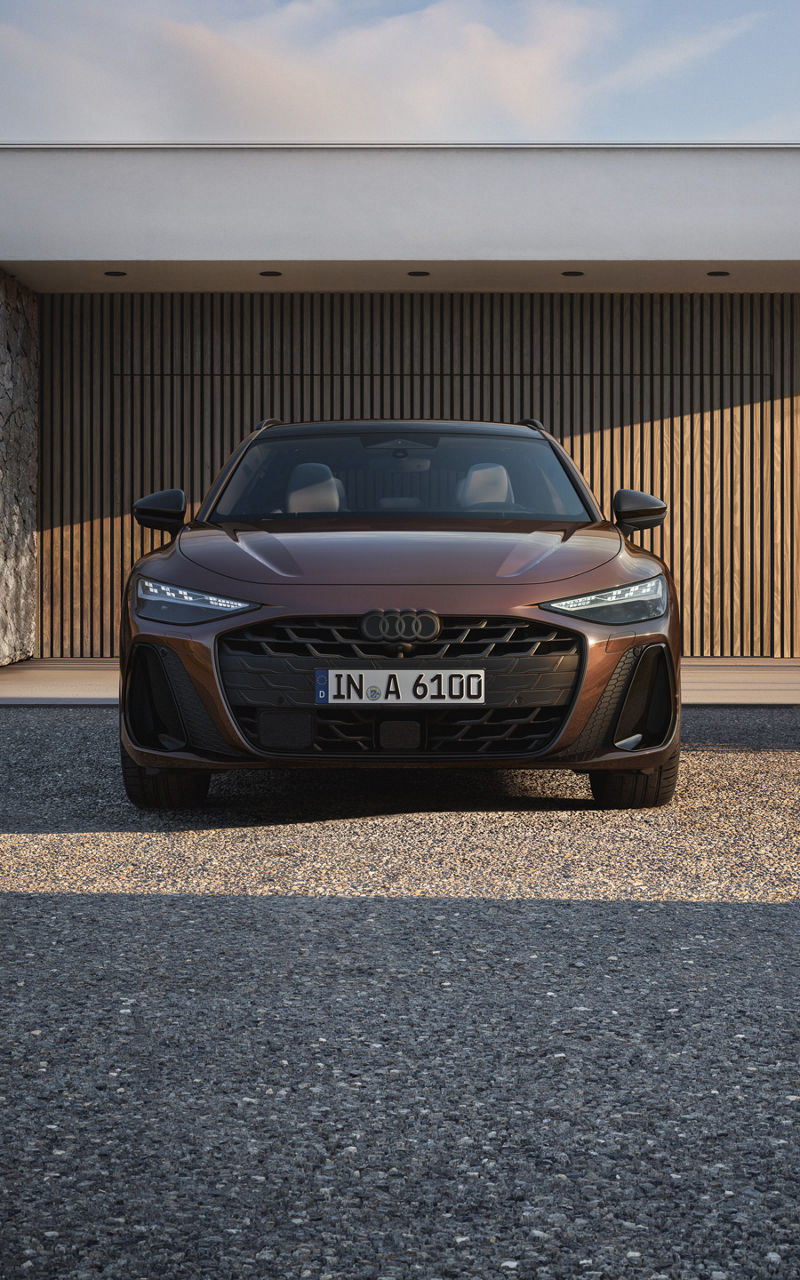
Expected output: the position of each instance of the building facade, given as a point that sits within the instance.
(630, 298)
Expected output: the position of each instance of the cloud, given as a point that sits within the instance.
(441, 72)
(674, 56)
(319, 70)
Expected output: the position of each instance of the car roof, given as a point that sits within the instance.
(406, 424)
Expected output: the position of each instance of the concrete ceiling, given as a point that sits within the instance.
(393, 277)
(344, 218)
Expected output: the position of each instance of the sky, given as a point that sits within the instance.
(397, 71)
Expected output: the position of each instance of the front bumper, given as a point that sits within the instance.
(216, 709)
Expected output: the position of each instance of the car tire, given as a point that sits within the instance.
(163, 788)
(633, 788)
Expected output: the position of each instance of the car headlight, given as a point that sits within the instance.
(636, 602)
(161, 602)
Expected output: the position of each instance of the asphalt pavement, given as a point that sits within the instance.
(392, 1025)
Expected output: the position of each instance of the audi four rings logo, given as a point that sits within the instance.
(400, 624)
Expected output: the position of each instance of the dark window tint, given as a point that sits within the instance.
(385, 475)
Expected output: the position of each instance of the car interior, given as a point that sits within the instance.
(361, 476)
(313, 487)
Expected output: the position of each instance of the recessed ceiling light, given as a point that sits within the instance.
(419, 273)
(572, 273)
(270, 273)
(718, 273)
(115, 273)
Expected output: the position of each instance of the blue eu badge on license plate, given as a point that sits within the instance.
(321, 689)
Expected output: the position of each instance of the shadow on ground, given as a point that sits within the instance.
(231, 1086)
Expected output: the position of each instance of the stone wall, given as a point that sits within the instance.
(19, 455)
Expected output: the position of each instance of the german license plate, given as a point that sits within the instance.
(402, 688)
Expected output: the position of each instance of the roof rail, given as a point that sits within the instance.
(534, 423)
(269, 422)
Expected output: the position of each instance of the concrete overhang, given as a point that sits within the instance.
(333, 218)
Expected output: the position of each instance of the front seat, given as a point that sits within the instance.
(313, 488)
(485, 482)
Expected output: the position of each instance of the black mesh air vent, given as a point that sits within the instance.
(472, 731)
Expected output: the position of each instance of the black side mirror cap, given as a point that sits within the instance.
(634, 510)
(164, 510)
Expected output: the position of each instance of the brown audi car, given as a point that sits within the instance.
(400, 593)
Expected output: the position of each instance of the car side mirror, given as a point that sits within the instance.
(164, 510)
(634, 510)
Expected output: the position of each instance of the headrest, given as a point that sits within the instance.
(312, 487)
(485, 482)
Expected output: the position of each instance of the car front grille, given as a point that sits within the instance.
(531, 672)
(460, 639)
(453, 731)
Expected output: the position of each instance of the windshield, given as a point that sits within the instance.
(383, 475)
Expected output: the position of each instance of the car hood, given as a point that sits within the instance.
(410, 557)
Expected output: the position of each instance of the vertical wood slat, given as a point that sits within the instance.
(695, 397)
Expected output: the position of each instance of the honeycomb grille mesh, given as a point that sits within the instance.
(450, 732)
(460, 638)
(531, 670)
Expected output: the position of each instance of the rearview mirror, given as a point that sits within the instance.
(164, 510)
(634, 510)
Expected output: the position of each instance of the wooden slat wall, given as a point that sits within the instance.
(693, 397)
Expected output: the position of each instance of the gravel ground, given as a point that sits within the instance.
(389, 1026)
